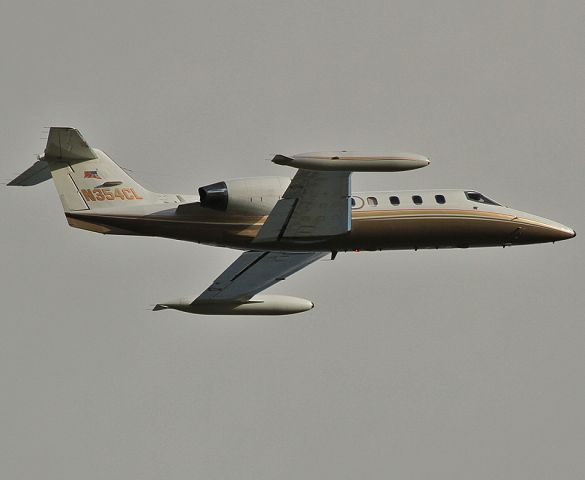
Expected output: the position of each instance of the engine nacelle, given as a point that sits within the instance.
(254, 195)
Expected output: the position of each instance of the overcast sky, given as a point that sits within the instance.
(432, 364)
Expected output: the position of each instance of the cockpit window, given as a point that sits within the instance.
(478, 197)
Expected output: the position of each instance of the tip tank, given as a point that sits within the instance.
(258, 305)
(354, 161)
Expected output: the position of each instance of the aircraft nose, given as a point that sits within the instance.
(567, 233)
(542, 230)
(558, 232)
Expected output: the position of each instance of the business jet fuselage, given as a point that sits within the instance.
(390, 220)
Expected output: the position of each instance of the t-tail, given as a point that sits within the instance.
(85, 178)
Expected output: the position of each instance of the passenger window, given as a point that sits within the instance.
(417, 199)
(372, 201)
(394, 200)
(440, 199)
(357, 202)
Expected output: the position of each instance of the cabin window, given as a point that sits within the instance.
(417, 199)
(357, 202)
(394, 200)
(440, 199)
(478, 197)
(372, 201)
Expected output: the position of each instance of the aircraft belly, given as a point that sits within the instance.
(208, 232)
(369, 232)
(429, 232)
(413, 232)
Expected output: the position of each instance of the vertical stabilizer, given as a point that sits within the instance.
(85, 178)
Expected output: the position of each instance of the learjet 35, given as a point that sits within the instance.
(282, 224)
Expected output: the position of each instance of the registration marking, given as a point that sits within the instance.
(106, 194)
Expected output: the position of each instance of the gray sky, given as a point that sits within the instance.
(450, 364)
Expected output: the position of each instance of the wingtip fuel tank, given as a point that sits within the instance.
(353, 161)
(257, 305)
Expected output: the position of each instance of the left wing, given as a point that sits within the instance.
(255, 271)
(233, 292)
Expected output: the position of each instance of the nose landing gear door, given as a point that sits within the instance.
(513, 237)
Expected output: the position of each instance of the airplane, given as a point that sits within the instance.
(281, 224)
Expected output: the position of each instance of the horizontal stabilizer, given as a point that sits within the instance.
(85, 178)
(38, 173)
(67, 143)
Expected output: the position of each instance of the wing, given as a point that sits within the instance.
(255, 271)
(315, 205)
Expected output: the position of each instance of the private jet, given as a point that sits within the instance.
(281, 224)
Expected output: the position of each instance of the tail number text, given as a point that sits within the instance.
(101, 194)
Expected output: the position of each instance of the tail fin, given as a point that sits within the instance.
(85, 178)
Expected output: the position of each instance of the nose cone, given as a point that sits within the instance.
(567, 233)
(563, 233)
(544, 230)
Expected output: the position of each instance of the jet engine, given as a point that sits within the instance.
(254, 195)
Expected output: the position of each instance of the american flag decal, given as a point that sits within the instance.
(91, 174)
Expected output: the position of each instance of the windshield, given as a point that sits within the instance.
(478, 197)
